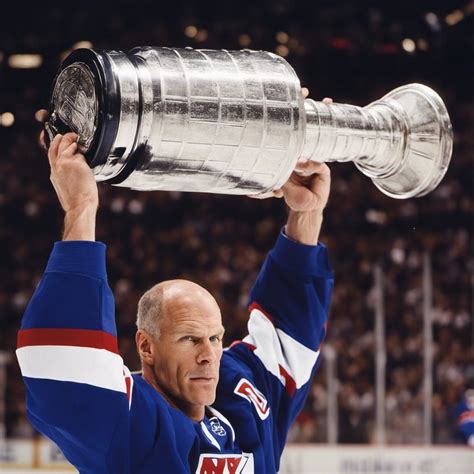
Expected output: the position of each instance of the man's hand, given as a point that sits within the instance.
(72, 178)
(306, 194)
(308, 187)
(75, 185)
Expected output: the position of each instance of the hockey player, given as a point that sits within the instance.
(196, 407)
(464, 413)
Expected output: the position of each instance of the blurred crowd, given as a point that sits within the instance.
(221, 241)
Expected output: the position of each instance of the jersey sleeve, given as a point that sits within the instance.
(465, 422)
(77, 387)
(289, 305)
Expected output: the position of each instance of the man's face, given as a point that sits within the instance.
(188, 352)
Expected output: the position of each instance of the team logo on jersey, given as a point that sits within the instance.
(216, 427)
(225, 464)
(246, 390)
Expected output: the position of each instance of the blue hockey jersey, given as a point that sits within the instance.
(464, 412)
(105, 420)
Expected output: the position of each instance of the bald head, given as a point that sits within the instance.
(170, 298)
(180, 344)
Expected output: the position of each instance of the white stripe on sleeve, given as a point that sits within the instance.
(97, 367)
(275, 348)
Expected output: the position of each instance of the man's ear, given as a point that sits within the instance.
(145, 347)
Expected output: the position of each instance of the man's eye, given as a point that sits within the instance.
(189, 338)
(216, 339)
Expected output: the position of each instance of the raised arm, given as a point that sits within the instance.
(77, 387)
(271, 368)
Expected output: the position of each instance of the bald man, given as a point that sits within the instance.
(195, 407)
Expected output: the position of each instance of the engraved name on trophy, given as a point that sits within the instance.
(235, 122)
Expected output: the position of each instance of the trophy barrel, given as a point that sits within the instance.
(182, 119)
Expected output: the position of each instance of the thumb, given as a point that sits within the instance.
(297, 197)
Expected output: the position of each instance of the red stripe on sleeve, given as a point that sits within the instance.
(290, 384)
(255, 305)
(250, 346)
(466, 417)
(68, 337)
(127, 385)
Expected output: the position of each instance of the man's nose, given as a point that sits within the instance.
(207, 353)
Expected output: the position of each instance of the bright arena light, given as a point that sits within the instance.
(7, 119)
(201, 35)
(25, 61)
(282, 50)
(454, 17)
(433, 21)
(422, 44)
(431, 18)
(408, 45)
(190, 31)
(65, 54)
(245, 40)
(282, 37)
(82, 44)
(39, 116)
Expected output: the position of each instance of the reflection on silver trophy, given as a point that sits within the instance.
(235, 122)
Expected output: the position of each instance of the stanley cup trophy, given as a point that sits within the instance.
(235, 122)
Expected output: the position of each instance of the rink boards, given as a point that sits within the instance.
(25, 457)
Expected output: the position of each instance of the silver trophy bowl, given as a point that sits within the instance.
(235, 122)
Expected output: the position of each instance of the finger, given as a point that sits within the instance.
(300, 197)
(66, 142)
(304, 164)
(307, 168)
(327, 100)
(270, 194)
(301, 162)
(305, 92)
(53, 149)
(70, 150)
(300, 167)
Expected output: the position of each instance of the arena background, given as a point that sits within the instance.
(354, 52)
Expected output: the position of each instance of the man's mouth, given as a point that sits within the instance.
(202, 379)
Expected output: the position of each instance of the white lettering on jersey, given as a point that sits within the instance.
(225, 464)
(246, 390)
(216, 427)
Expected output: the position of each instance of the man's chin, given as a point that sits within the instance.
(204, 395)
